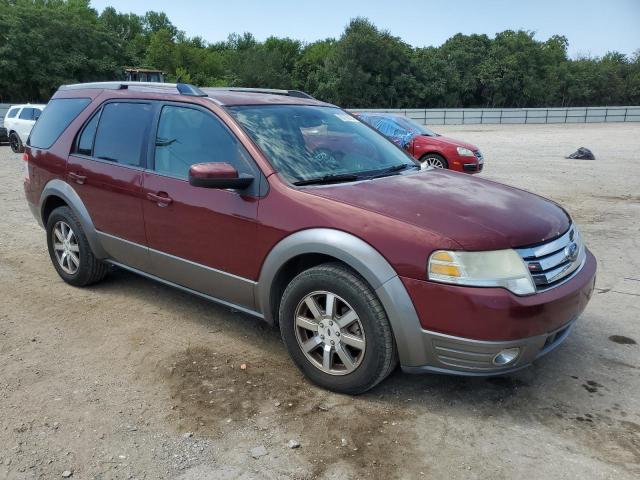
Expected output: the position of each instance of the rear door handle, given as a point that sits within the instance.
(77, 178)
(160, 200)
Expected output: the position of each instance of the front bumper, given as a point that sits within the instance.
(462, 329)
(473, 164)
(464, 356)
(472, 167)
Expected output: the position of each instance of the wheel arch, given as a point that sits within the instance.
(58, 193)
(434, 152)
(311, 247)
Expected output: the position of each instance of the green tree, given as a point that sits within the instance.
(367, 67)
(161, 51)
(46, 44)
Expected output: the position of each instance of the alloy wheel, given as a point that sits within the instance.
(330, 333)
(433, 162)
(66, 248)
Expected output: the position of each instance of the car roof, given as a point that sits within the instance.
(28, 105)
(224, 96)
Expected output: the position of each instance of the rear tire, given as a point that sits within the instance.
(357, 350)
(70, 251)
(16, 143)
(434, 160)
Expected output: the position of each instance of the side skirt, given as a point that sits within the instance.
(188, 290)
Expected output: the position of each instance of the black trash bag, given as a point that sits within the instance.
(582, 154)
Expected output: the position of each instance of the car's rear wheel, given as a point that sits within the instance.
(434, 160)
(70, 251)
(16, 143)
(336, 330)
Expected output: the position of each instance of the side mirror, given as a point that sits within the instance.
(217, 175)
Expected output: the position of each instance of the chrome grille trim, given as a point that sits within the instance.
(551, 264)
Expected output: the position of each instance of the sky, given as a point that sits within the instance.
(593, 27)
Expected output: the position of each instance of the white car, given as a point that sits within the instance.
(19, 121)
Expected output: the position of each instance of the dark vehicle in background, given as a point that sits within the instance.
(293, 211)
(143, 75)
(429, 148)
(4, 134)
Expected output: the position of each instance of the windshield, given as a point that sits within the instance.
(304, 142)
(415, 127)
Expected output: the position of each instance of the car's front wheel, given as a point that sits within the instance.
(70, 251)
(16, 143)
(336, 330)
(434, 160)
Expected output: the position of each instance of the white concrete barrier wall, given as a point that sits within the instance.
(460, 116)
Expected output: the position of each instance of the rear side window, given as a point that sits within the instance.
(122, 132)
(54, 120)
(12, 113)
(85, 142)
(26, 114)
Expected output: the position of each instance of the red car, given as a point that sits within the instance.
(426, 146)
(291, 210)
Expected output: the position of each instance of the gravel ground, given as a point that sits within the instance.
(131, 379)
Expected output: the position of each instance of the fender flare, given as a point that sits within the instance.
(365, 260)
(63, 190)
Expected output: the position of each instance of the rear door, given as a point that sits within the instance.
(106, 169)
(200, 238)
(24, 123)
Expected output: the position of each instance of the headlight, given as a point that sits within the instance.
(465, 152)
(499, 268)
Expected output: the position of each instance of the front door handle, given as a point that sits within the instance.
(77, 177)
(161, 200)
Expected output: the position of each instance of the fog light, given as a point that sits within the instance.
(506, 356)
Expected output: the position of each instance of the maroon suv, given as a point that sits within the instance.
(291, 210)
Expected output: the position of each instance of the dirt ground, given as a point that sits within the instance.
(132, 379)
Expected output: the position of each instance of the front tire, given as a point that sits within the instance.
(70, 251)
(336, 330)
(16, 143)
(434, 160)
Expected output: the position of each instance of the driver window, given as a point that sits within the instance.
(187, 136)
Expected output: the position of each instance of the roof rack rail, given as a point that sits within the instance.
(272, 91)
(181, 88)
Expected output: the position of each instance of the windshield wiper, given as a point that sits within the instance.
(335, 178)
(394, 169)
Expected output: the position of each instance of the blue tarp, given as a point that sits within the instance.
(397, 133)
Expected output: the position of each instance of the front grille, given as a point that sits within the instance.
(554, 262)
(478, 155)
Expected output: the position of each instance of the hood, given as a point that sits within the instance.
(477, 214)
(447, 141)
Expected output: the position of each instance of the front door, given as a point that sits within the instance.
(106, 169)
(200, 238)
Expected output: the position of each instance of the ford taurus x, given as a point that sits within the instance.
(292, 210)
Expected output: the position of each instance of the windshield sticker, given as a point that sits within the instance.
(345, 117)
